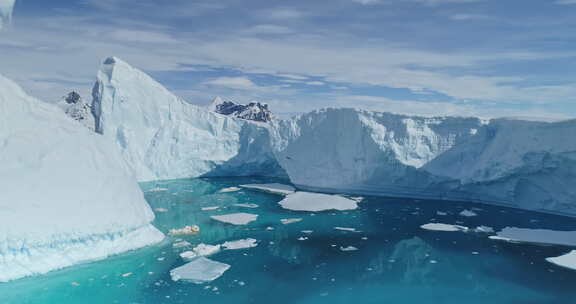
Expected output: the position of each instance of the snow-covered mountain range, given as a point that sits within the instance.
(144, 132)
(255, 111)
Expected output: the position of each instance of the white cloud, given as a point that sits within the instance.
(241, 83)
(141, 36)
(270, 29)
(315, 83)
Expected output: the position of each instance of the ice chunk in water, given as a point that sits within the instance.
(307, 201)
(230, 189)
(536, 236)
(200, 270)
(236, 218)
(443, 227)
(567, 261)
(240, 244)
(468, 213)
(200, 250)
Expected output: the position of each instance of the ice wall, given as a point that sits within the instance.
(66, 198)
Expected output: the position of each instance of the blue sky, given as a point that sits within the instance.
(458, 57)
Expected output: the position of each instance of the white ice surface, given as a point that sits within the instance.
(290, 220)
(468, 213)
(308, 201)
(444, 227)
(271, 188)
(236, 218)
(66, 196)
(201, 250)
(567, 260)
(200, 270)
(536, 236)
(240, 244)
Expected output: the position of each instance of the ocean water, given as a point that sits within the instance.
(396, 261)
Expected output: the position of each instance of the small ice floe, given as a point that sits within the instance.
(211, 208)
(290, 220)
(240, 244)
(269, 228)
(307, 231)
(236, 218)
(157, 189)
(444, 227)
(483, 229)
(230, 189)
(198, 271)
(200, 251)
(307, 201)
(194, 229)
(349, 248)
(246, 205)
(161, 210)
(536, 236)
(271, 188)
(302, 238)
(468, 213)
(75, 284)
(125, 275)
(567, 261)
(181, 244)
(346, 229)
(440, 213)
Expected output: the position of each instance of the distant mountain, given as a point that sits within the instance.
(74, 106)
(253, 111)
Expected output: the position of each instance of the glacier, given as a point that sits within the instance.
(520, 164)
(66, 195)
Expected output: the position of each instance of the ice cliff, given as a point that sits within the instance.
(66, 197)
(163, 137)
(523, 164)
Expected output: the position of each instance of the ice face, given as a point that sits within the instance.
(66, 196)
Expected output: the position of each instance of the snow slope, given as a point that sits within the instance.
(66, 198)
(163, 137)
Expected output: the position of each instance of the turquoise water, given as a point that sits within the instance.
(397, 262)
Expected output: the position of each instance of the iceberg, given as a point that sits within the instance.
(307, 201)
(536, 236)
(236, 218)
(52, 167)
(200, 270)
(272, 188)
(161, 136)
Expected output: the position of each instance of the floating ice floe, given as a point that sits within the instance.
(200, 251)
(444, 227)
(567, 261)
(441, 213)
(346, 229)
(246, 205)
(307, 201)
(349, 248)
(200, 270)
(302, 238)
(212, 208)
(290, 220)
(484, 229)
(236, 218)
(536, 236)
(307, 231)
(358, 199)
(162, 210)
(194, 229)
(230, 189)
(240, 244)
(271, 188)
(181, 244)
(468, 213)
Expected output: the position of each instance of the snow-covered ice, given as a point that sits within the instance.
(240, 244)
(200, 270)
(271, 188)
(186, 230)
(236, 218)
(444, 227)
(308, 201)
(211, 208)
(567, 260)
(536, 236)
(52, 167)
